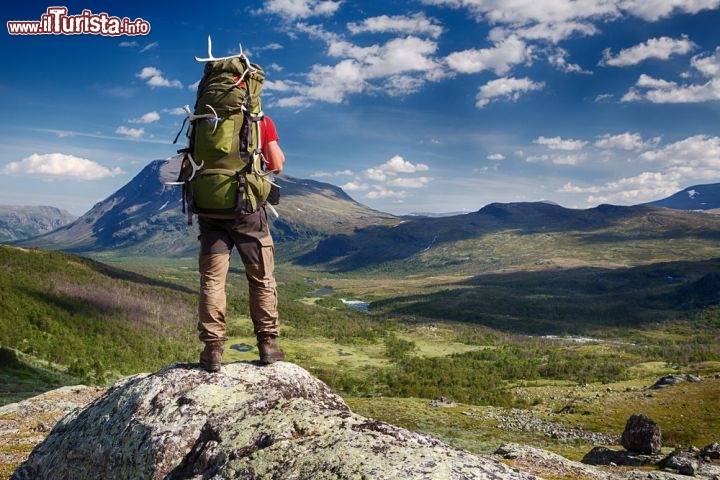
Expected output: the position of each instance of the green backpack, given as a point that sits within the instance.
(223, 165)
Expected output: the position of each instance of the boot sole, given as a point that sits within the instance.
(212, 368)
(268, 359)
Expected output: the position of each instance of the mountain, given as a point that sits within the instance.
(145, 217)
(507, 234)
(21, 222)
(697, 197)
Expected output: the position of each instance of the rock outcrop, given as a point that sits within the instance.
(672, 379)
(247, 421)
(642, 435)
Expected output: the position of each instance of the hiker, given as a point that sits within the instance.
(250, 234)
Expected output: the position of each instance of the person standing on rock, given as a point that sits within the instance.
(250, 234)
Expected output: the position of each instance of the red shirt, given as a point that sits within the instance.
(269, 134)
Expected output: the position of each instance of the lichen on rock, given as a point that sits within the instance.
(246, 421)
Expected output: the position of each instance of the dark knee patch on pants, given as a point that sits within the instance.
(214, 242)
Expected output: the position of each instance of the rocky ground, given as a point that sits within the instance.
(25, 424)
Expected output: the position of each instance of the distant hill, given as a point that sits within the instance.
(21, 222)
(512, 234)
(697, 197)
(145, 217)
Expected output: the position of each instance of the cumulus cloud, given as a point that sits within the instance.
(660, 48)
(644, 187)
(130, 132)
(388, 180)
(559, 59)
(508, 88)
(398, 67)
(149, 117)
(59, 165)
(498, 59)
(625, 141)
(654, 10)
(381, 192)
(523, 12)
(656, 90)
(175, 111)
(355, 186)
(693, 158)
(496, 157)
(299, 9)
(557, 143)
(416, 24)
(670, 168)
(155, 78)
(398, 164)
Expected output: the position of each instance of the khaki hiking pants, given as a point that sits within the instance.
(250, 234)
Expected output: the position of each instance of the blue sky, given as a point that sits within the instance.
(410, 106)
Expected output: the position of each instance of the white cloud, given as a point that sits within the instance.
(355, 186)
(155, 78)
(499, 59)
(149, 117)
(641, 188)
(59, 165)
(557, 143)
(297, 9)
(523, 12)
(653, 10)
(416, 24)
(338, 173)
(696, 158)
(663, 91)
(388, 179)
(130, 132)
(416, 182)
(509, 88)
(660, 48)
(380, 192)
(398, 67)
(625, 141)
(398, 164)
(568, 159)
(496, 157)
(558, 59)
(127, 44)
(149, 46)
(553, 33)
(692, 160)
(175, 111)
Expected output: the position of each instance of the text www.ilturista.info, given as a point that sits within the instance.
(57, 22)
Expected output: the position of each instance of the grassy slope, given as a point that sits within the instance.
(659, 317)
(92, 321)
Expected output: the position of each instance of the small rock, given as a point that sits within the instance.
(711, 451)
(607, 456)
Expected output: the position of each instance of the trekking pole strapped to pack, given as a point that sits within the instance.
(223, 166)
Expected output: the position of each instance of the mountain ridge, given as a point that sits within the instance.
(696, 197)
(145, 216)
(18, 222)
(320, 223)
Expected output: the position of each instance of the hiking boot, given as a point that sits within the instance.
(269, 350)
(211, 356)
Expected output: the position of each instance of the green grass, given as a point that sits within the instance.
(95, 322)
(68, 319)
